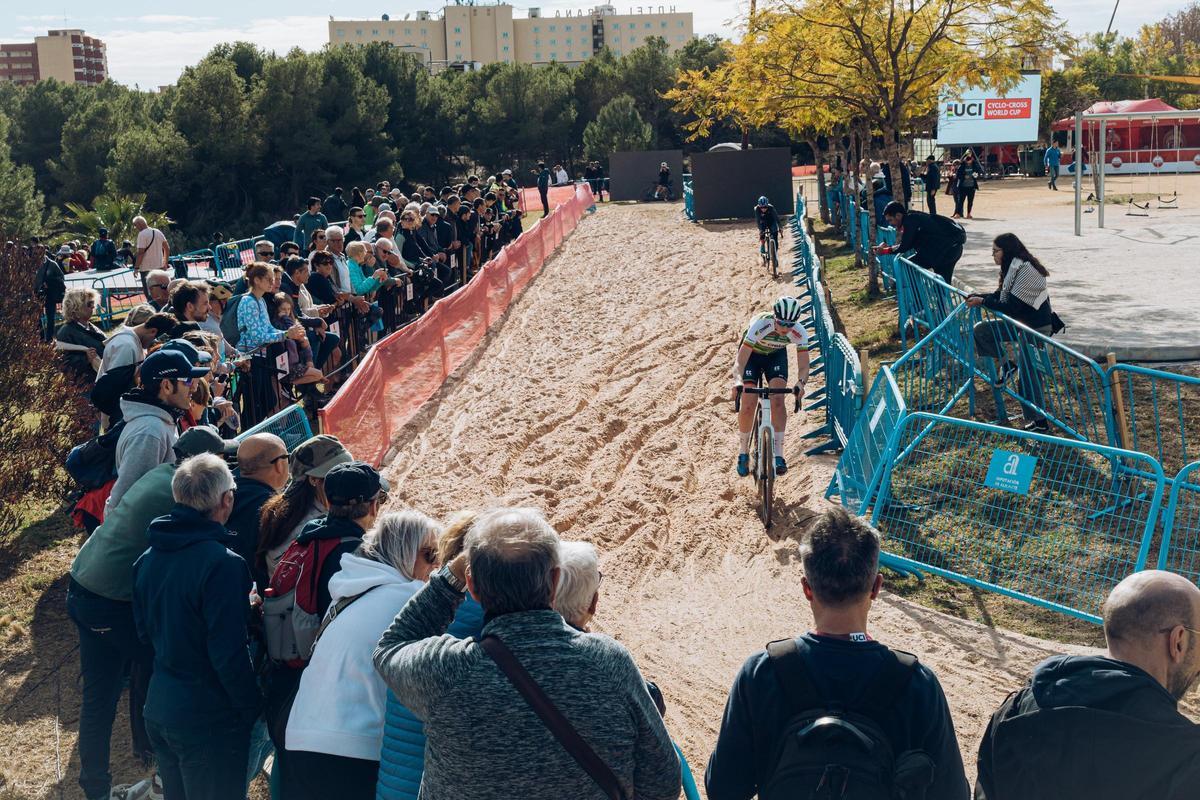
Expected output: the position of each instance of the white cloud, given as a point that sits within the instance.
(165, 19)
(152, 58)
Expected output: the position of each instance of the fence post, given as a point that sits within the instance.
(1122, 421)
(864, 360)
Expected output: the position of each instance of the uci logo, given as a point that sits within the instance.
(1012, 464)
(961, 109)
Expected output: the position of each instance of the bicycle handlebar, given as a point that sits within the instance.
(765, 391)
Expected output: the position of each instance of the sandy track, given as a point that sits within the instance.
(602, 399)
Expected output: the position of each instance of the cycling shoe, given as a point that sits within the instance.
(780, 466)
(743, 465)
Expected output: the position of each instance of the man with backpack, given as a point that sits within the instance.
(834, 713)
(100, 603)
(1107, 727)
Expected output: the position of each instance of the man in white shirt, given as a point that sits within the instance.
(152, 248)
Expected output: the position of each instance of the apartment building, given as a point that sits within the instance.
(475, 34)
(68, 55)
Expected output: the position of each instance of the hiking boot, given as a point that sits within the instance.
(780, 466)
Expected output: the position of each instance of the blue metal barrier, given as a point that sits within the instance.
(864, 234)
(852, 223)
(689, 199)
(1180, 550)
(1052, 521)
(291, 424)
(1162, 410)
(887, 268)
(234, 257)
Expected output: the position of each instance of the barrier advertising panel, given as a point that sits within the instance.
(983, 115)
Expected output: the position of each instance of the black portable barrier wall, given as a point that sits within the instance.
(632, 172)
(726, 185)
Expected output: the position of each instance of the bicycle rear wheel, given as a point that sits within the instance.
(766, 479)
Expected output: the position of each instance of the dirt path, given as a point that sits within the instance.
(602, 400)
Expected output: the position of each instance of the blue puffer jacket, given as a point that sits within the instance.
(402, 759)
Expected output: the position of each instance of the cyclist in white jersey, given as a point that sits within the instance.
(763, 351)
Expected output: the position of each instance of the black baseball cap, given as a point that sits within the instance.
(193, 353)
(353, 482)
(169, 365)
(203, 439)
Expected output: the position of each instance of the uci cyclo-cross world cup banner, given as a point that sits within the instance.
(985, 116)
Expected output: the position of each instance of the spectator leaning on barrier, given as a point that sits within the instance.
(782, 694)
(1107, 727)
(1023, 296)
(103, 252)
(123, 352)
(402, 756)
(190, 602)
(309, 221)
(99, 602)
(78, 331)
(335, 730)
(150, 414)
(482, 737)
(937, 240)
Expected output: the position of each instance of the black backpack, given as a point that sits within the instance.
(94, 463)
(829, 750)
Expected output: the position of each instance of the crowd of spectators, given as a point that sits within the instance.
(267, 610)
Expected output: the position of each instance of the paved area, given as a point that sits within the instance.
(1132, 288)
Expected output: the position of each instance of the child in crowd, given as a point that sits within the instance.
(299, 353)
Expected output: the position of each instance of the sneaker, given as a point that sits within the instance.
(1037, 426)
(743, 465)
(1007, 370)
(780, 466)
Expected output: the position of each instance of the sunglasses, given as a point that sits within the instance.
(277, 459)
(184, 381)
(784, 324)
(322, 236)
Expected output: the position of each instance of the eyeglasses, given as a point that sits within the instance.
(1173, 627)
(157, 286)
(277, 459)
(599, 578)
(321, 236)
(184, 381)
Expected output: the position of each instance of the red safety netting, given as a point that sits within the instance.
(402, 371)
(531, 201)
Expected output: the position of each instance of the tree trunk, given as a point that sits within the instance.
(872, 235)
(822, 192)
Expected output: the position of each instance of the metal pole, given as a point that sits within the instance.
(1078, 174)
(1100, 177)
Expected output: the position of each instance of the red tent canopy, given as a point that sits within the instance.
(1124, 107)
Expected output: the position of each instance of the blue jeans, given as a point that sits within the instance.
(108, 648)
(199, 761)
(322, 348)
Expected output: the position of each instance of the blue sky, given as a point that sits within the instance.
(149, 43)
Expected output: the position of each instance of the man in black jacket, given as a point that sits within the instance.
(262, 472)
(840, 554)
(50, 285)
(938, 240)
(1107, 727)
(932, 178)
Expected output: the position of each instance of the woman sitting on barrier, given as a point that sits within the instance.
(1024, 297)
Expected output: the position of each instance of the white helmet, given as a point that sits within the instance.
(787, 309)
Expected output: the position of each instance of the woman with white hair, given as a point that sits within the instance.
(335, 729)
(579, 579)
(80, 340)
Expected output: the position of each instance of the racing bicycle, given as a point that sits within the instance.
(658, 191)
(769, 251)
(762, 443)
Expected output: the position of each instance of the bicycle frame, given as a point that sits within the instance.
(763, 443)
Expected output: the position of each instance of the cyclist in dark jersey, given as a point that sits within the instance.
(768, 220)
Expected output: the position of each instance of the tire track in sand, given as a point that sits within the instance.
(603, 400)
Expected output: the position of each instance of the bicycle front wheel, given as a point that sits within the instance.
(766, 478)
(754, 442)
(773, 252)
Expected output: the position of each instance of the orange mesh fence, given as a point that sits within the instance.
(402, 371)
(531, 201)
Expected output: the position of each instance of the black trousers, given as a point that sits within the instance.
(941, 265)
(320, 776)
(965, 196)
(931, 201)
(109, 647)
(545, 195)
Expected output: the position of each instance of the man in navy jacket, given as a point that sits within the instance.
(840, 553)
(190, 603)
